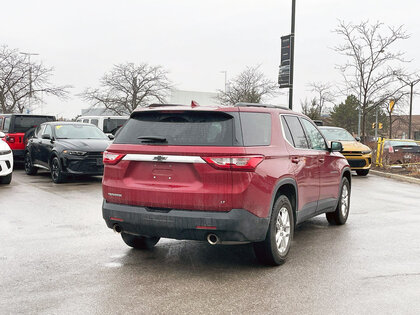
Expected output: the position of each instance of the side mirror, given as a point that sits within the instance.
(358, 139)
(111, 137)
(2, 135)
(46, 136)
(336, 146)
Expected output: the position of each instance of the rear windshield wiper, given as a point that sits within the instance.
(152, 139)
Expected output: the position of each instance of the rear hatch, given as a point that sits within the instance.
(175, 159)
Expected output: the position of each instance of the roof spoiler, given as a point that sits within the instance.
(241, 104)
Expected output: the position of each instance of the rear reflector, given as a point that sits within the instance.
(116, 219)
(236, 163)
(110, 158)
(201, 227)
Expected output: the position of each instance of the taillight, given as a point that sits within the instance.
(111, 158)
(236, 163)
(10, 139)
(391, 149)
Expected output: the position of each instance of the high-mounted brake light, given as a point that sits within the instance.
(236, 163)
(111, 158)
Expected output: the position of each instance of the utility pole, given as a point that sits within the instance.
(376, 124)
(411, 84)
(30, 76)
(292, 53)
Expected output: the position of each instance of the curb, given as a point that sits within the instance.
(397, 177)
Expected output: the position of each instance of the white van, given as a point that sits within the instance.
(108, 124)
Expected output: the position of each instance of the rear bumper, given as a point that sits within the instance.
(18, 154)
(236, 225)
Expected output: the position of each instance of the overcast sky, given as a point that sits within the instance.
(193, 39)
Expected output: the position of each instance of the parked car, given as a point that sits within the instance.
(6, 161)
(18, 128)
(401, 151)
(108, 124)
(246, 173)
(66, 148)
(357, 154)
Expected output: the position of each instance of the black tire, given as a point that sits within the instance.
(56, 171)
(339, 216)
(268, 251)
(6, 179)
(139, 242)
(362, 172)
(30, 169)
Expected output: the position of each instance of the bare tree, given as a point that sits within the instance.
(249, 86)
(324, 94)
(311, 108)
(128, 86)
(372, 67)
(22, 82)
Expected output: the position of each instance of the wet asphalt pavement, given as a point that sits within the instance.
(57, 256)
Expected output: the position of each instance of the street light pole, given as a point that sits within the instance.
(292, 53)
(30, 75)
(411, 84)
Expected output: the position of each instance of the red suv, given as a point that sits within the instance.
(246, 173)
(18, 128)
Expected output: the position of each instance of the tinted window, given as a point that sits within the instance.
(297, 132)
(286, 130)
(94, 121)
(111, 125)
(256, 128)
(178, 128)
(315, 138)
(24, 123)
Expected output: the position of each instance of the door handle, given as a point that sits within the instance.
(295, 160)
(321, 160)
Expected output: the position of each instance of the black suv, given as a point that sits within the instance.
(65, 148)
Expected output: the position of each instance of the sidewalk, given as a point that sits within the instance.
(396, 176)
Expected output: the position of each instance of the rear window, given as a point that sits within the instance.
(24, 123)
(111, 125)
(179, 128)
(256, 129)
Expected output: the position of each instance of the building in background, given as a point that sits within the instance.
(400, 127)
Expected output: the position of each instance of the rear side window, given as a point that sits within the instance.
(6, 125)
(111, 125)
(179, 128)
(298, 135)
(256, 129)
(95, 122)
(286, 131)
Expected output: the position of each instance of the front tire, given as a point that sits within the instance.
(30, 169)
(362, 172)
(341, 213)
(274, 249)
(56, 171)
(6, 179)
(139, 242)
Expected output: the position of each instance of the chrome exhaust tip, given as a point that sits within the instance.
(117, 228)
(213, 239)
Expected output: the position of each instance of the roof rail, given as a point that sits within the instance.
(260, 105)
(164, 105)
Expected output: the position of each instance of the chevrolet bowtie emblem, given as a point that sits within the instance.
(160, 158)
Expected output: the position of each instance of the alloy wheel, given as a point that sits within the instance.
(283, 230)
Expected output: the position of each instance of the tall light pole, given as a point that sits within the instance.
(28, 54)
(411, 84)
(292, 53)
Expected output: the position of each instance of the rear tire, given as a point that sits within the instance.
(56, 172)
(30, 169)
(6, 179)
(341, 213)
(274, 249)
(362, 172)
(139, 242)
